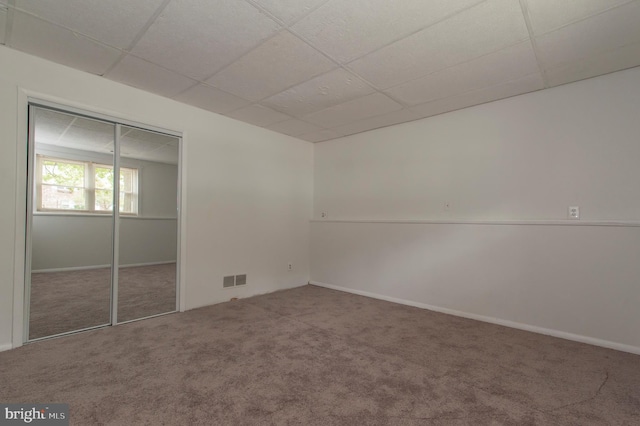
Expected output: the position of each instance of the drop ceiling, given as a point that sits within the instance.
(61, 130)
(322, 69)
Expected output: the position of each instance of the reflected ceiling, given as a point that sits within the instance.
(71, 131)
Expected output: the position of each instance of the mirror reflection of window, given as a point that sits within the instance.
(68, 185)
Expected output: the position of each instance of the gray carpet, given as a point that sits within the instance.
(313, 356)
(74, 300)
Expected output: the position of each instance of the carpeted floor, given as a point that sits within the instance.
(313, 356)
(74, 300)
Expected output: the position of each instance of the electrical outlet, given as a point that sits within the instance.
(574, 212)
(324, 215)
(290, 267)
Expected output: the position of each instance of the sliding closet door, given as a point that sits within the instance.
(148, 226)
(71, 175)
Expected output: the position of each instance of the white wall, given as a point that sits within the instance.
(247, 192)
(523, 160)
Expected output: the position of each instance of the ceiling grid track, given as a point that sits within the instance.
(532, 38)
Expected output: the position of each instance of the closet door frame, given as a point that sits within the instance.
(28, 225)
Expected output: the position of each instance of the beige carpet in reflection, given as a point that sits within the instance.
(68, 301)
(313, 356)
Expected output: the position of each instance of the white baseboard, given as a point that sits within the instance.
(134, 265)
(6, 347)
(85, 268)
(506, 323)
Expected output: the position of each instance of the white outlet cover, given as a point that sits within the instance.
(574, 212)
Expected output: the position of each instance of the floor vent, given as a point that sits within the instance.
(241, 279)
(228, 281)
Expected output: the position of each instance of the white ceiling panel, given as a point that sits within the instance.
(114, 22)
(346, 30)
(165, 154)
(301, 67)
(144, 75)
(322, 135)
(258, 115)
(89, 135)
(147, 140)
(329, 89)
(354, 110)
(548, 15)
(197, 38)
(279, 63)
(591, 37)
(610, 61)
(211, 99)
(50, 125)
(524, 85)
(288, 11)
(488, 27)
(505, 65)
(395, 117)
(40, 38)
(3, 23)
(294, 127)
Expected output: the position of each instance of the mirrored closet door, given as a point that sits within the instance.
(148, 224)
(103, 223)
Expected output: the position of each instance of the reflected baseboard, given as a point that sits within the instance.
(84, 268)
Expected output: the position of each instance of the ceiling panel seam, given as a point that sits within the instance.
(140, 34)
(493, 52)
(9, 23)
(532, 38)
(575, 21)
(446, 17)
(245, 53)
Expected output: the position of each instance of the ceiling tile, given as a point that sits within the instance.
(294, 127)
(395, 117)
(113, 22)
(517, 87)
(548, 15)
(609, 61)
(3, 23)
(144, 75)
(288, 10)
(329, 89)
(150, 146)
(488, 27)
(356, 109)
(50, 125)
(258, 115)
(40, 38)
(88, 134)
(279, 63)
(197, 38)
(505, 65)
(211, 99)
(165, 154)
(346, 30)
(607, 31)
(322, 135)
